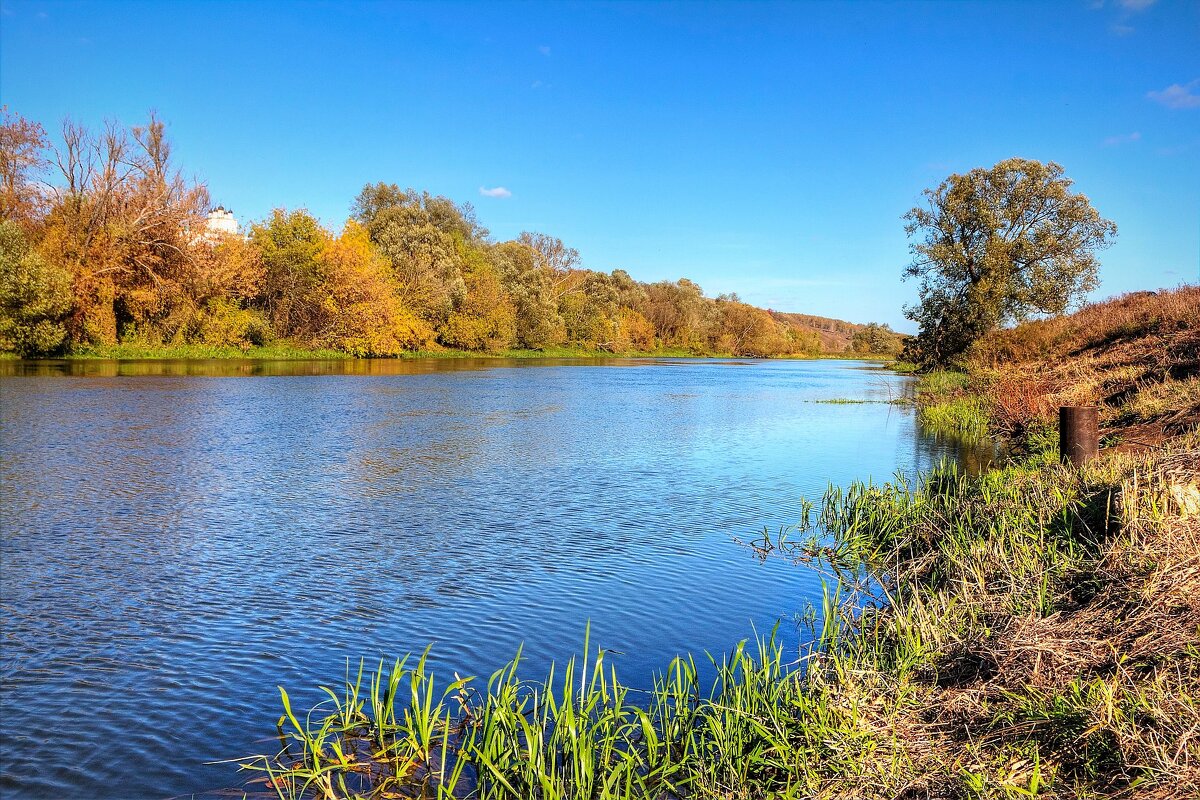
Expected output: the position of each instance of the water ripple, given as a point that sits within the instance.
(176, 546)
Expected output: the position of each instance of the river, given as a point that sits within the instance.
(179, 538)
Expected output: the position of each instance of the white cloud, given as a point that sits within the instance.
(1136, 5)
(1177, 95)
(1124, 138)
(498, 191)
(544, 49)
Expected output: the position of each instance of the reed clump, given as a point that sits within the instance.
(946, 407)
(1031, 631)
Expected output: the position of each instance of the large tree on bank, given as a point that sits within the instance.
(998, 245)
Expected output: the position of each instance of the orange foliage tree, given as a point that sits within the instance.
(122, 223)
(359, 310)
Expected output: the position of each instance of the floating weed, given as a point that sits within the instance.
(963, 417)
(850, 401)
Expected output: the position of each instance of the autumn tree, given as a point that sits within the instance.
(679, 312)
(634, 331)
(226, 283)
(290, 244)
(23, 160)
(745, 330)
(122, 222)
(531, 290)
(802, 342)
(115, 248)
(35, 296)
(876, 338)
(998, 245)
(483, 316)
(228, 267)
(355, 307)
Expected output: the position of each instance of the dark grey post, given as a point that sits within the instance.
(1078, 434)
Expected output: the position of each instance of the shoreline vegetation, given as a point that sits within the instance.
(287, 352)
(106, 246)
(1032, 631)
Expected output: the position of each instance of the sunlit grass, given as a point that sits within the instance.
(1156, 400)
(965, 647)
(273, 352)
(962, 417)
(284, 351)
(942, 383)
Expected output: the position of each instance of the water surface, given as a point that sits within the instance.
(179, 539)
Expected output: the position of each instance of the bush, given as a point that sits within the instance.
(35, 297)
(225, 323)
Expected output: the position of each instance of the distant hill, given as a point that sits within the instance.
(836, 334)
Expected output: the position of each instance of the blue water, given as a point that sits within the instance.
(177, 542)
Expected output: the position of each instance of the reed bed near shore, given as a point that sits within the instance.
(964, 417)
(1030, 632)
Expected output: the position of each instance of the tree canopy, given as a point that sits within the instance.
(104, 241)
(998, 245)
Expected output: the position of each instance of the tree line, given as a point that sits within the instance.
(103, 241)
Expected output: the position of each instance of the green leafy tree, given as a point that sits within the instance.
(998, 245)
(290, 245)
(877, 339)
(35, 297)
(537, 322)
(422, 236)
(591, 311)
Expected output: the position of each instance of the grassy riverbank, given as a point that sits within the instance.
(1136, 357)
(289, 352)
(1028, 632)
(275, 352)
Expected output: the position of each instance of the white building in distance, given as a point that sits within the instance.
(221, 222)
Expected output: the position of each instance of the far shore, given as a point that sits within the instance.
(287, 352)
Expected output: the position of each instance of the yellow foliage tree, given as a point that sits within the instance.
(360, 311)
(635, 331)
(483, 317)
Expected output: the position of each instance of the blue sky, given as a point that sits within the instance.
(768, 149)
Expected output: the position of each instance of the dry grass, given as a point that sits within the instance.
(1050, 622)
(1136, 356)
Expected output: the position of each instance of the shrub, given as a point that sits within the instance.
(35, 297)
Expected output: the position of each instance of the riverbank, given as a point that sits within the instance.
(1135, 357)
(289, 352)
(1028, 632)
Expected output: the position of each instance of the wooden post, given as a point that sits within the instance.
(1078, 434)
